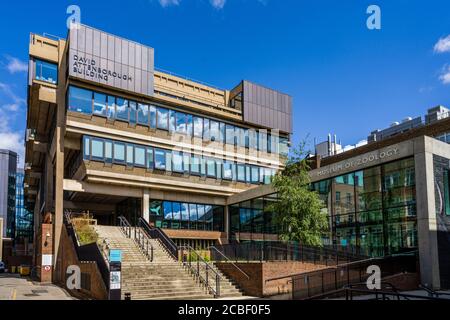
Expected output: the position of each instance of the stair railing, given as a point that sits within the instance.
(156, 233)
(138, 236)
(194, 262)
(214, 249)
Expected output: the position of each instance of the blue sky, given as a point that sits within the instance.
(344, 78)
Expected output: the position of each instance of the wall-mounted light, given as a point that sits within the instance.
(47, 235)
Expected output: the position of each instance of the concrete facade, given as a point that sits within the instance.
(61, 173)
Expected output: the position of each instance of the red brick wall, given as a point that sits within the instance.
(260, 272)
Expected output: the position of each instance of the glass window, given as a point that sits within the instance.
(139, 156)
(198, 127)
(255, 174)
(149, 158)
(177, 161)
(253, 139)
(97, 149)
(46, 71)
(230, 134)
(143, 114)
(168, 161)
(193, 216)
(218, 218)
(262, 140)
(153, 117)
(99, 104)
(180, 122)
(195, 164)
(248, 173)
(108, 151)
(222, 132)
(119, 152)
(184, 216)
(160, 159)
(122, 109)
(201, 217)
(206, 132)
(227, 170)
(130, 155)
(167, 207)
(219, 163)
(111, 107)
(203, 166)
(241, 136)
(209, 217)
(241, 172)
(189, 126)
(87, 147)
(211, 168)
(446, 192)
(162, 118)
(171, 121)
(80, 100)
(214, 131)
(176, 209)
(186, 162)
(133, 112)
(234, 171)
(284, 146)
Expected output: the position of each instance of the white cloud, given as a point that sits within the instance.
(443, 45)
(218, 4)
(10, 139)
(445, 75)
(166, 3)
(15, 65)
(11, 107)
(11, 95)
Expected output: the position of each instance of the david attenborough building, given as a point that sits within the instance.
(111, 135)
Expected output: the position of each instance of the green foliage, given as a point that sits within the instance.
(299, 210)
(85, 231)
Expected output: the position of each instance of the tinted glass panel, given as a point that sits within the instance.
(139, 156)
(162, 118)
(119, 152)
(80, 100)
(133, 112)
(97, 148)
(122, 109)
(46, 71)
(177, 161)
(111, 107)
(143, 114)
(153, 117)
(99, 104)
(160, 159)
(180, 122)
(198, 127)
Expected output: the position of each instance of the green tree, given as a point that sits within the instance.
(298, 209)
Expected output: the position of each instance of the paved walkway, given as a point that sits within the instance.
(14, 287)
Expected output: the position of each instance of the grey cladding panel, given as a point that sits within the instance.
(100, 57)
(267, 107)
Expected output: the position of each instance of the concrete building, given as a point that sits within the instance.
(109, 134)
(8, 165)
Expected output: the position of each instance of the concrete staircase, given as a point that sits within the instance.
(164, 278)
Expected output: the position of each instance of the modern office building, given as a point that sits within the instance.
(385, 197)
(109, 134)
(8, 165)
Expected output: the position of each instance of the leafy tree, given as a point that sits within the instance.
(298, 209)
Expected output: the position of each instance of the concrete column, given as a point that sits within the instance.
(48, 187)
(146, 204)
(426, 219)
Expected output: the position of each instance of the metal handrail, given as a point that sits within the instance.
(196, 270)
(232, 263)
(432, 292)
(349, 294)
(138, 236)
(157, 233)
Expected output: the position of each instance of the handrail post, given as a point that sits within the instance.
(207, 276)
(217, 285)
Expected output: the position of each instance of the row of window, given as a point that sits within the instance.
(180, 215)
(112, 107)
(133, 155)
(46, 71)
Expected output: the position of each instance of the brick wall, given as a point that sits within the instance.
(95, 287)
(260, 272)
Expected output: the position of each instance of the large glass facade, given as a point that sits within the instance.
(373, 209)
(182, 215)
(117, 108)
(251, 218)
(24, 218)
(134, 155)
